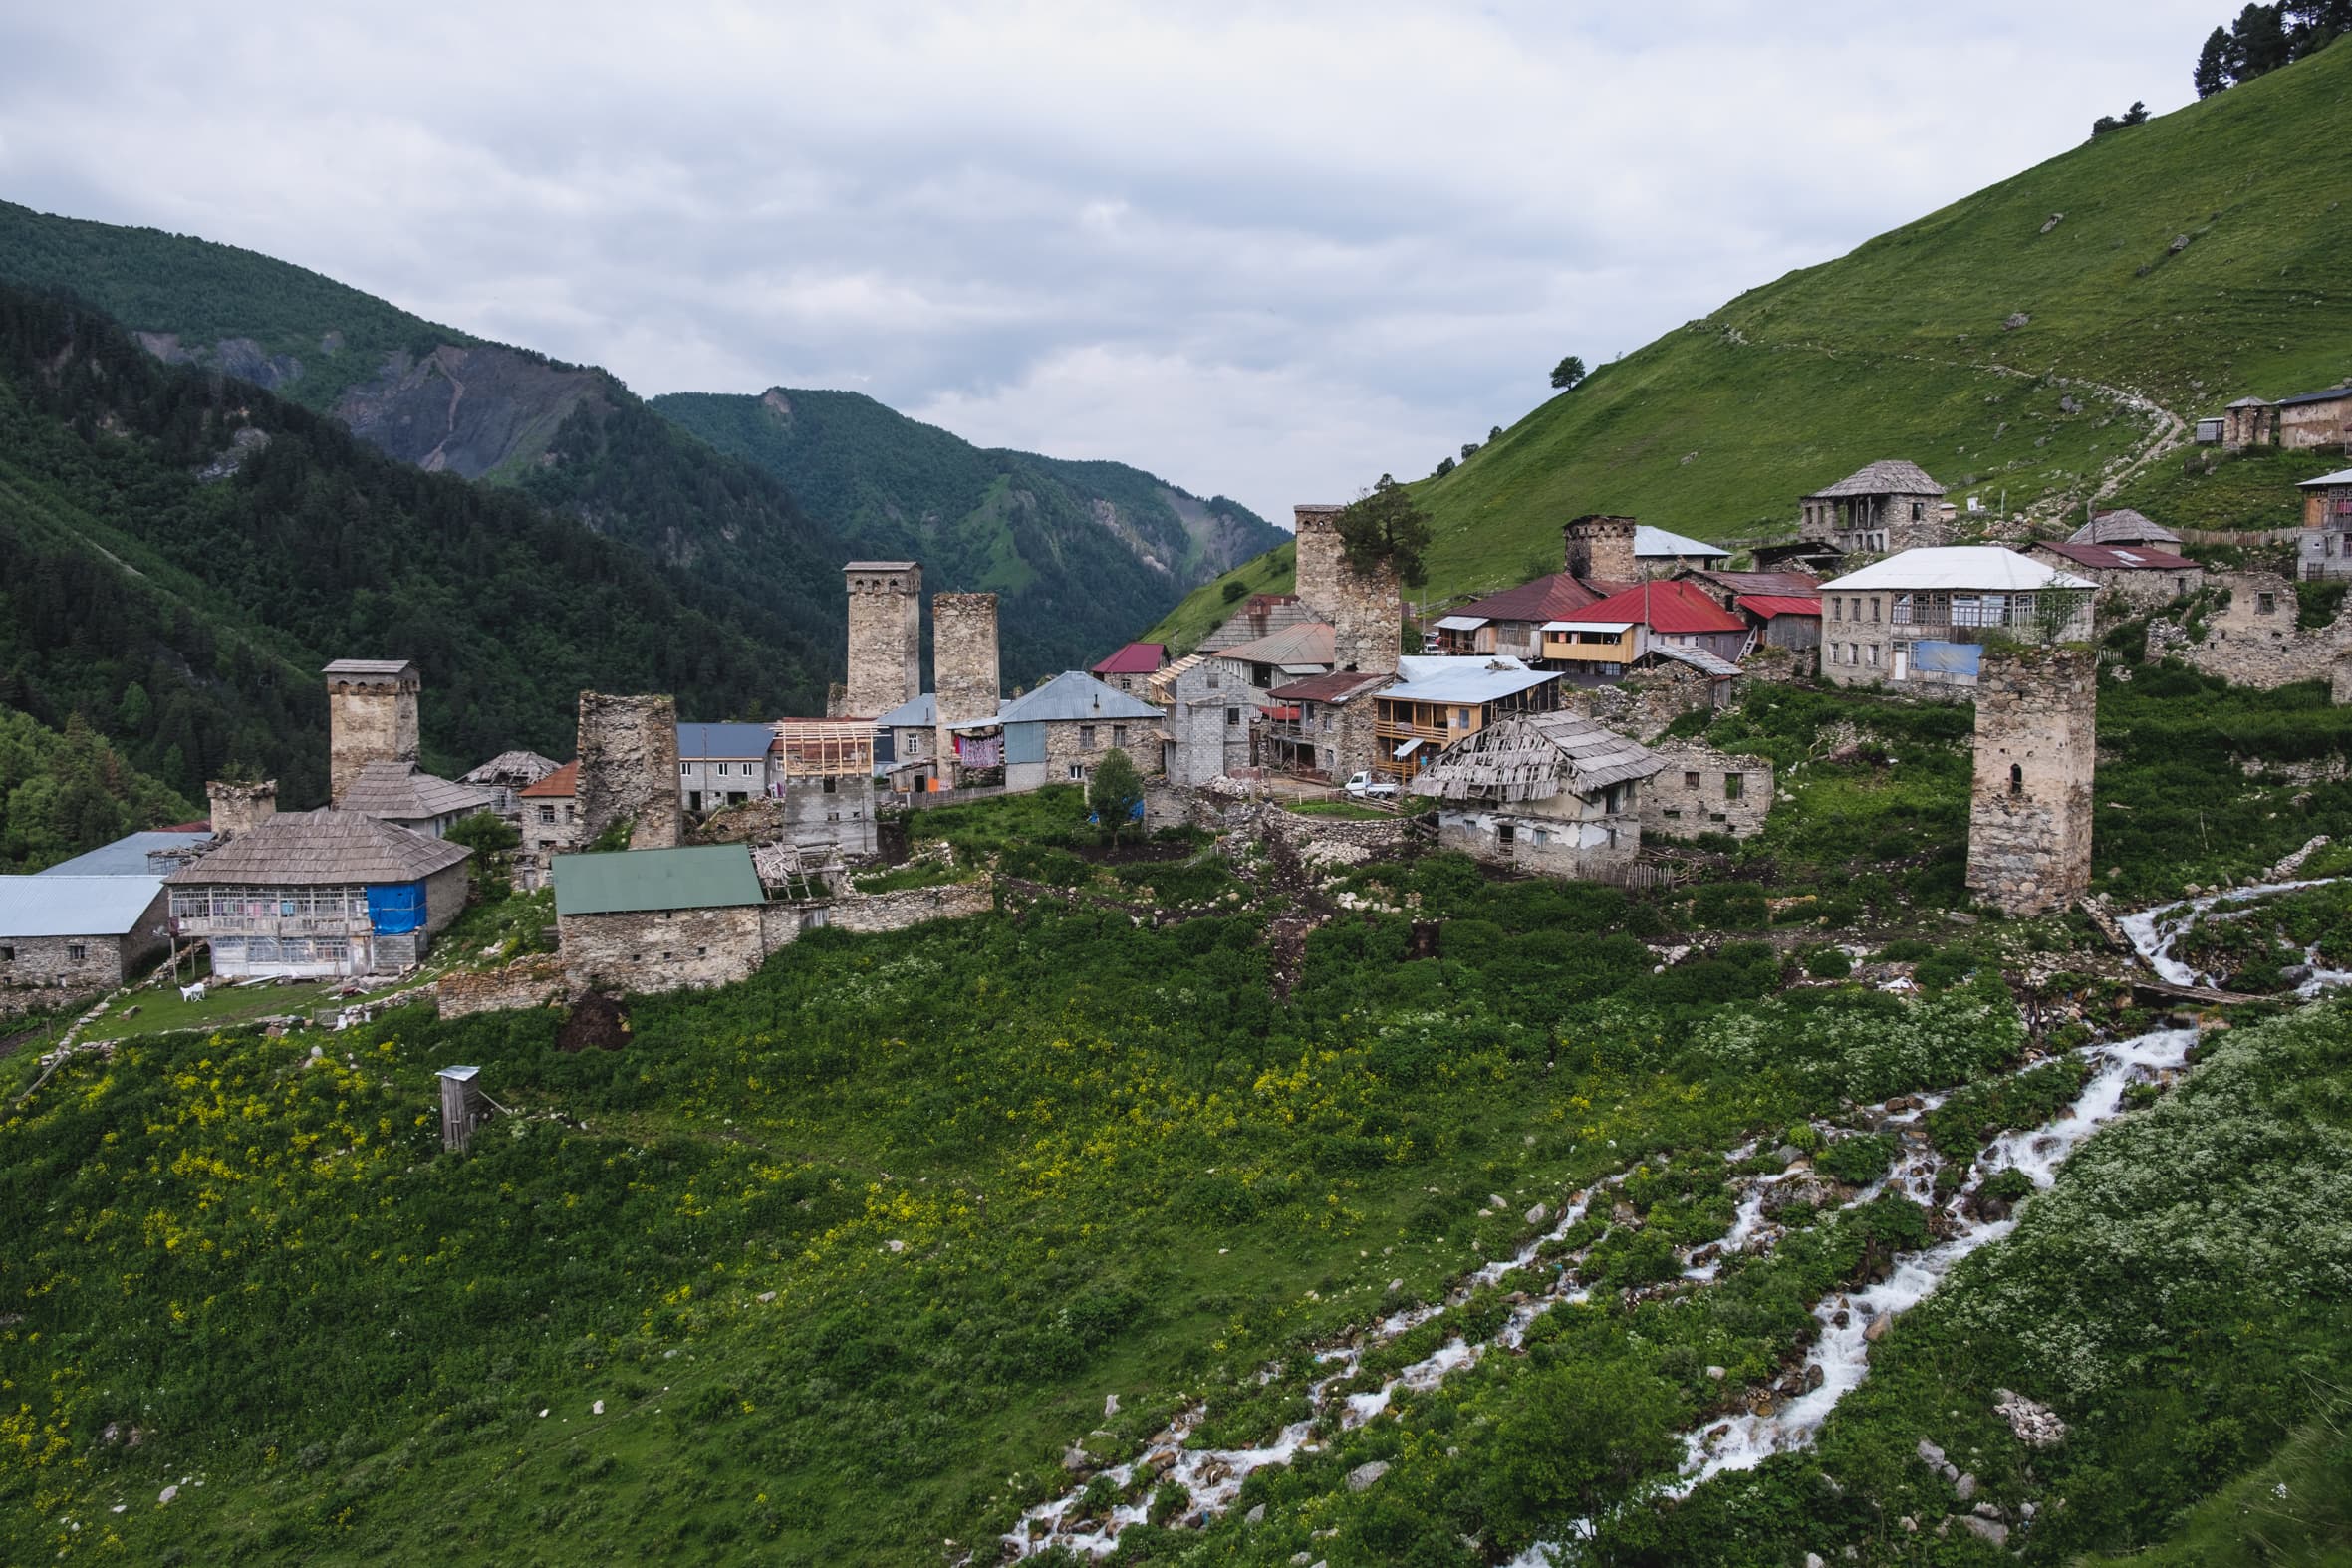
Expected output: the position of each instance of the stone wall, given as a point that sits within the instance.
(1642, 705)
(1601, 547)
(2309, 425)
(627, 752)
(1342, 735)
(1067, 745)
(1548, 837)
(661, 949)
(2253, 640)
(2029, 809)
(446, 893)
(2339, 679)
(1335, 840)
(895, 912)
(1366, 610)
(1692, 793)
(963, 666)
(886, 637)
(535, 981)
(48, 963)
(370, 718)
(239, 807)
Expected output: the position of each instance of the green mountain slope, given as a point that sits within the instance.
(1062, 541)
(184, 554)
(1899, 349)
(64, 793)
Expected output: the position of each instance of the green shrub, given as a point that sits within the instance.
(1829, 963)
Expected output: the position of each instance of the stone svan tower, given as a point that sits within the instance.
(1602, 547)
(886, 637)
(2030, 812)
(629, 769)
(238, 808)
(963, 665)
(370, 717)
(1366, 608)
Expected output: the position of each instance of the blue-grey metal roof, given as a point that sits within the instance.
(1466, 680)
(920, 712)
(1649, 541)
(1071, 695)
(2331, 394)
(727, 742)
(126, 856)
(75, 905)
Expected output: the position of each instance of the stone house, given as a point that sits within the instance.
(1208, 706)
(1131, 668)
(1553, 792)
(2140, 577)
(1610, 636)
(659, 919)
(2316, 419)
(1058, 732)
(1440, 703)
(1511, 623)
(505, 776)
(1885, 505)
(404, 795)
(1698, 789)
(319, 892)
(2249, 421)
(77, 933)
(1915, 621)
(2253, 639)
(2325, 548)
(2124, 527)
(723, 764)
(822, 772)
(906, 745)
(1790, 621)
(1322, 725)
(550, 824)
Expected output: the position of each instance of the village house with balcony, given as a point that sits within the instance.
(1606, 639)
(1511, 623)
(1322, 726)
(1438, 701)
(1886, 506)
(1917, 621)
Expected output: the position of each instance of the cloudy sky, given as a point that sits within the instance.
(1269, 250)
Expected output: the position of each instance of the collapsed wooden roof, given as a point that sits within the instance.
(1535, 757)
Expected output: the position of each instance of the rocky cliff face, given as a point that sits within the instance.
(239, 356)
(466, 411)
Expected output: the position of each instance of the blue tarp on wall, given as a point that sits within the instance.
(397, 909)
(1945, 659)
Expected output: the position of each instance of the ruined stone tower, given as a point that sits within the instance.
(627, 749)
(370, 717)
(237, 808)
(1602, 547)
(2339, 679)
(963, 664)
(886, 637)
(1366, 610)
(2030, 812)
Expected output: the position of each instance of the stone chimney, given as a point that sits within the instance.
(1602, 547)
(627, 749)
(239, 807)
(370, 717)
(886, 638)
(1366, 610)
(963, 666)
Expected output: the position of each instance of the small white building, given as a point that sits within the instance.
(1917, 621)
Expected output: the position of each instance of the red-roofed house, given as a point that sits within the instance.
(1511, 622)
(1784, 620)
(1675, 620)
(1331, 731)
(551, 823)
(1133, 666)
(2140, 576)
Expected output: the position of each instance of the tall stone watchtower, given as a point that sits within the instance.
(628, 748)
(886, 637)
(2030, 812)
(1602, 547)
(963, 666)
(370, 717)
(1366, 608)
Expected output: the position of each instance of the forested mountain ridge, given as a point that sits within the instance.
(1059, 540)
(186, 551)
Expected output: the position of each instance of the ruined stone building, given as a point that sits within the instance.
(2029, 809)
(237, 806)
(1551, 792)
(1322, 725)
(505, 776)
(1917, 621)
(1366, 610)
(886, 637)
(370, 717)
(2298, 423)
(1885, 505)
(2251, 637)
(2249, 421)
(2133, 577)
(629, 769)
(1698, 789)
(77, 934)
(966, 682)
(319, 894)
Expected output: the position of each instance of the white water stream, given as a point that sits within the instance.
(1836, 1364)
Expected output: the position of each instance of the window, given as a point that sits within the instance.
(7, 955)
(1874, 656)
(1837, 610)
(1874, 607)
(2265, 604)
(2016, 779)
(1119, 734)
(547, 815)
(1506, 832)
(1215, 680)
(1461, 719)
(1232, 718)
(1086, 737)
(701, 953)
(1919, 511)
(1077, 772)
(832, 786)
(686, 770)
(75, 952)
(1734, 785)
(1689, 780)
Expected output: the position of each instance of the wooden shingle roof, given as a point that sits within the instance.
(302, 849)
(1887, 476)
(405, 792)
(1534, 757)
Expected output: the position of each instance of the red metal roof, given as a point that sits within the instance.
(2120, 558)
(1553, 598)
(1137, 659)
(1279, 713)
(563, 781)
(1770, 605)
(1337, 686)
(1673, 607)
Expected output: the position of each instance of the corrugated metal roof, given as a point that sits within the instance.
(1335, 689)
(1983, 568)
(1071, 695)
(1470, 680)
(1308, 642)
(75, 905)
(1613, 627)
(562, 782)
(370, 666)
(1673, 607)
(696, 877)
(126, 856)
(1658, 542)
(1887, 476)
(1770, 605)
(2119, 557)
(404, 792)
(879, 565)
(920, 712)
(1754, 582)
(306, 849)
(1460, 623)
(1137, 659)
(731, 742)
(2330, 394)
(2326, 480)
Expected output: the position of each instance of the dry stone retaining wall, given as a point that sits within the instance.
(535, 981)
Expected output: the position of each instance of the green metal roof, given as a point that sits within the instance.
(701, 877)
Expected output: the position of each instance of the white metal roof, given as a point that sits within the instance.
(1611, 626)
(1460, 623)
(1979, 568)
(1656, 541)
(75, 905)
(1480, 683)
(1422, 667)
(2340, 477)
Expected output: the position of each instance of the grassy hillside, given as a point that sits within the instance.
(1083, 552)
(1205, 609)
